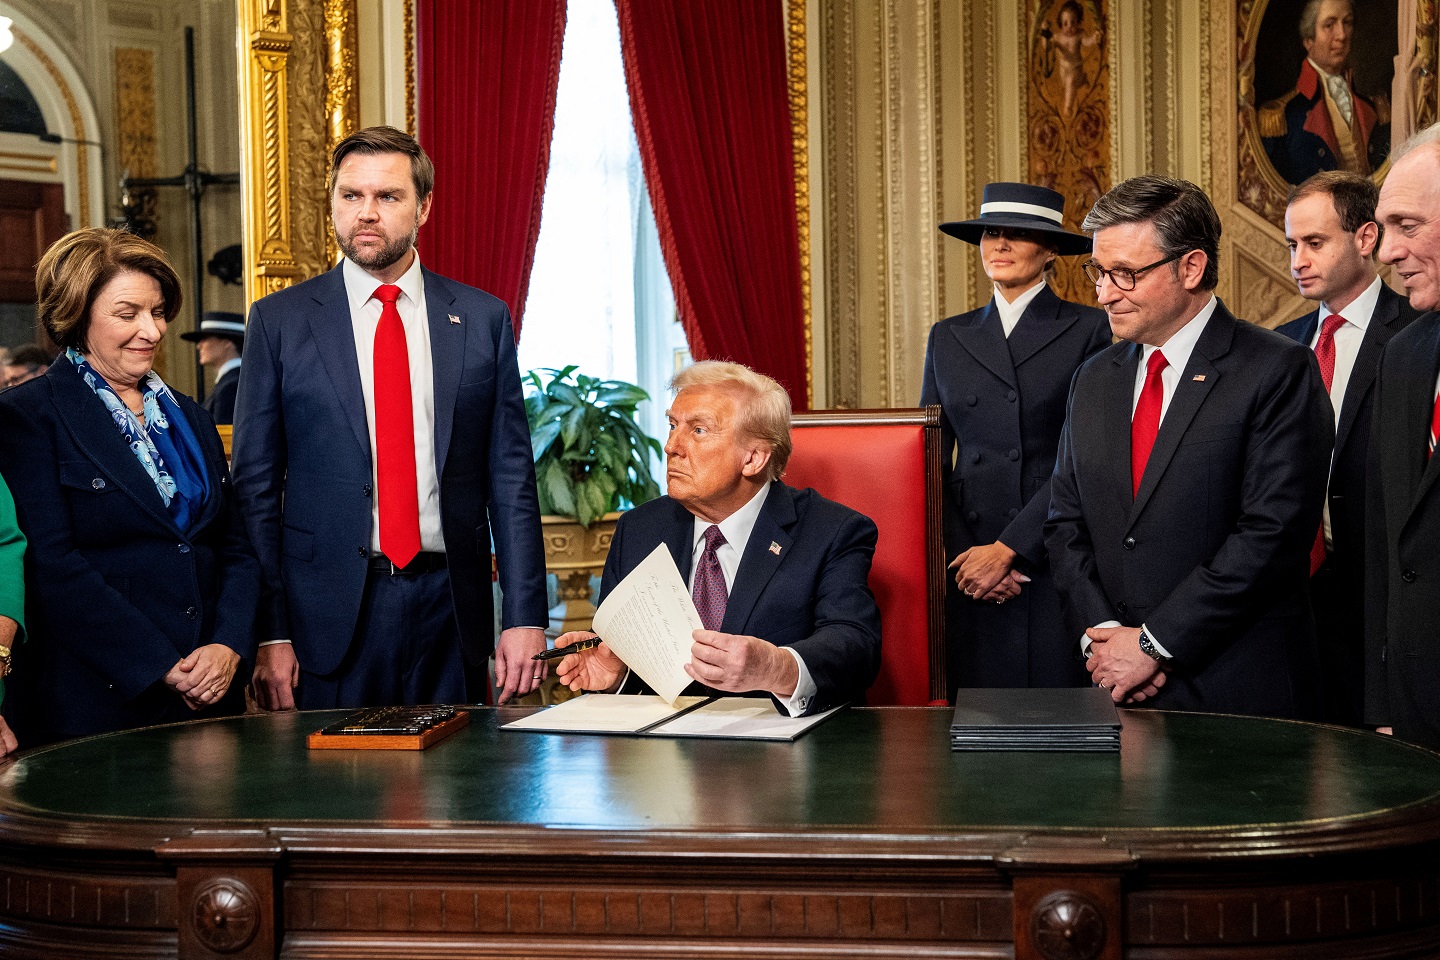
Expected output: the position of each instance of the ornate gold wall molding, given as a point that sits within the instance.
(77, 123)
(798, 75)
(135, 111)
(299, 96)
(410, 68)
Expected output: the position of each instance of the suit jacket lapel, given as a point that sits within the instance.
(1119, 401)
(680, 539)
(334, 337)
(214, 468)
(1367, 363)
(1190, 394)
(759, 563)
(986, 342)
(96, 435)
(1421, 407)
(447, 359)
(1040, 324)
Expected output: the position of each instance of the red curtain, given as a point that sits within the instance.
(709, 94)
(485, 83)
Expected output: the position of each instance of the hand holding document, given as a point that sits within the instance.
(647, 621)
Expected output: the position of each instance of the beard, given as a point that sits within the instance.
(377, 258)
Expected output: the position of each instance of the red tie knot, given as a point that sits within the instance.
(387, 293)
(1155, 364)
(1332, 323)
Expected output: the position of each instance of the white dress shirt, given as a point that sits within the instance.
(1348, 337)
(1177, 352)
(365, 318)
(232, 364)
(1010, 313)
(737, 529)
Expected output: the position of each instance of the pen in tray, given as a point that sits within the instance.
(559, 652)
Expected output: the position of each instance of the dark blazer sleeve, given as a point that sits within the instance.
(1067, 538)
(843, 652)
(1290, 433)
(514, 506)
(259, 458)
(1026, 533)
(102, 628)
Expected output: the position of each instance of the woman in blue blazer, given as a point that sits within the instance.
(1000, 375)
(141, 586)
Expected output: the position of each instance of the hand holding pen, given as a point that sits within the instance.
(593, 667)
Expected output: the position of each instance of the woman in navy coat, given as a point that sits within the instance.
(140, 583)
(1001, 375)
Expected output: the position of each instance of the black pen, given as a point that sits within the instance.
(559, 652)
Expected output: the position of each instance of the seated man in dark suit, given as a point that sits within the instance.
(779, 575)
(1190, 476)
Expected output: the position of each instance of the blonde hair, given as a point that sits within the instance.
(73, 271)
(764, 411)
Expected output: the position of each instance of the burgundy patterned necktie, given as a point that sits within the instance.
(709, 590)
(1325, 356)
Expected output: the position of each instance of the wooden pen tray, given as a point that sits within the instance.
(383, 741)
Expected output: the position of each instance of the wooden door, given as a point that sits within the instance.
(32, 216)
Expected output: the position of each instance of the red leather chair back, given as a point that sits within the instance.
(886, 464)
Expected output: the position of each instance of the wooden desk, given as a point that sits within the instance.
(1207, 836)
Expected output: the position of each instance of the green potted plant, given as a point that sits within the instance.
(591, 459)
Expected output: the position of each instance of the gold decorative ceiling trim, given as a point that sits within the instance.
(77, 124)
(800, 140)
(29, 162)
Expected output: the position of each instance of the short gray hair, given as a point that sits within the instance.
(1427, 137)
(1184, 219)
(1311, 15)
(765, 412)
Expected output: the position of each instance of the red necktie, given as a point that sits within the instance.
(396, 488)
(1434, 427)
(1325, 356)
(1146, 422)
(709, 590)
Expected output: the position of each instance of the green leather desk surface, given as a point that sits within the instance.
(878, 769)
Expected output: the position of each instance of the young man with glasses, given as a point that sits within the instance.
(1191, 471)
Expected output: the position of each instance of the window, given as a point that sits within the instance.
(599, 294)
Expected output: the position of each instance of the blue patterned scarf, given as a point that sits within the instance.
(164, 444)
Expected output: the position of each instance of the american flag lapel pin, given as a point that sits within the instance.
(775, 548)
(1198, 378)
(453, 318)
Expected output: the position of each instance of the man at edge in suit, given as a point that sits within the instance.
(380, 439)
(779, 575)
(1402, 566)
(1190, 477)
(1331, 230)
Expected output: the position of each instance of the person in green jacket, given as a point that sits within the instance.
(12, 599)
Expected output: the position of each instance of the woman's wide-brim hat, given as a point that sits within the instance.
(1021, 206)
(218, 323)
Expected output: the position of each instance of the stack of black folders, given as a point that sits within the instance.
(1069, 720)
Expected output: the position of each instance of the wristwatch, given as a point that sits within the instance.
(1147, 647)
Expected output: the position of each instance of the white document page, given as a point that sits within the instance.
(743, 718)
(603, 713)
(648, 620)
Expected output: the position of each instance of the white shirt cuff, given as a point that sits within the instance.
(271, 643)
(805, 688)
(1085, 641)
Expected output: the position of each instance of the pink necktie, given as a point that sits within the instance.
(1434, 427)
(397, 492)
(709, 590)
(1325, 356)
(1146, 422)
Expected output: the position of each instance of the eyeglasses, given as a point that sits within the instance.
(1123, 277)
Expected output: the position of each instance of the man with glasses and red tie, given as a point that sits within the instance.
(1402, 567)
(1190, 477)
(779, 576)
(1331, 230)
(380, 444)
